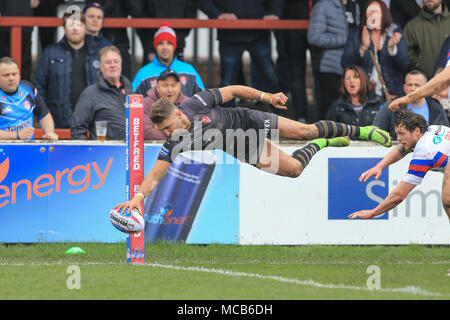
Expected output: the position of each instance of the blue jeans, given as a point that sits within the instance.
(262, 70)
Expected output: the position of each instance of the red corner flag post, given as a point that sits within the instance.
(134, 168)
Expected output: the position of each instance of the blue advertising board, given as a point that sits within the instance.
(56, 193)
(346, 194)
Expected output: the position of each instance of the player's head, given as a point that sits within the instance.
(9, 74)
(169, 85)
(409, 127)
(166, 117)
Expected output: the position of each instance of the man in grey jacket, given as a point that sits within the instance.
(429, 108)
(103, 100)
(327, 35)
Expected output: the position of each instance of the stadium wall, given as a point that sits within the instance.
(64, 191)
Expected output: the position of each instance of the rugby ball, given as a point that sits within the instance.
(127, 221)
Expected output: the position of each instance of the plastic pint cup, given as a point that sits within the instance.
(171, 209)
(101, 128)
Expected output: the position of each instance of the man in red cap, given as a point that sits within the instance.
(165, 43)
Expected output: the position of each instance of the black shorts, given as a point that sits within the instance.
(252, 127)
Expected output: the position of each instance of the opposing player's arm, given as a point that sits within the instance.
(392, 157)
(149, 183)
(438, 83)
(278, 100)
(391, 201)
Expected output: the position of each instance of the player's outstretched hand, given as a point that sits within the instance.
(279, 100)
(375, 171)
(363, 214)
(130, 205)
(398, 103)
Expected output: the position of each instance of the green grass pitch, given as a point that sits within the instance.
(175, 271)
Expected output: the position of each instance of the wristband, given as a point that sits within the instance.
(140, 195)
(262, 96)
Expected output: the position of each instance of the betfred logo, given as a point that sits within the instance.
(135, 101)
(78, 178)
(165, 217)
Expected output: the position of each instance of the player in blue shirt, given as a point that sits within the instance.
(19, 102)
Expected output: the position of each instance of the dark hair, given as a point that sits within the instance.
(161, 110)
(386, 19)
(410, 120)
(366, 86)
(8, 60)
(415, 72)
(68, 15)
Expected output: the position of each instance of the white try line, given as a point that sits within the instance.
(311, 283)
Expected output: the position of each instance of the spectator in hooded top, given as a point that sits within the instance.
(168, 86)
(384, 39)
(65, 69)
(165, 43)
(425, 35)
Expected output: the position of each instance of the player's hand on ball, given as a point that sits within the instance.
(363, 214)
(130, 205)
(370, 173)
(279, 100)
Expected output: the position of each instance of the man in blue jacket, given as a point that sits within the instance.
(94, 14)
(65, 69)
(165, 44)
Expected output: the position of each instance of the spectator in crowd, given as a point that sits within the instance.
(20, 101)
(403, 11)
(441, 61)
(65, 69)
(165, 42)
(176, 9)
(358, 103)
(21, 8)
(327, 35)
(118, 36)
(291, 63)
(428, 107)
(168, 86)
(425, 35)
(47, 8)
(94, 13)
(104, 100)
(380, 49)
(233, 43)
